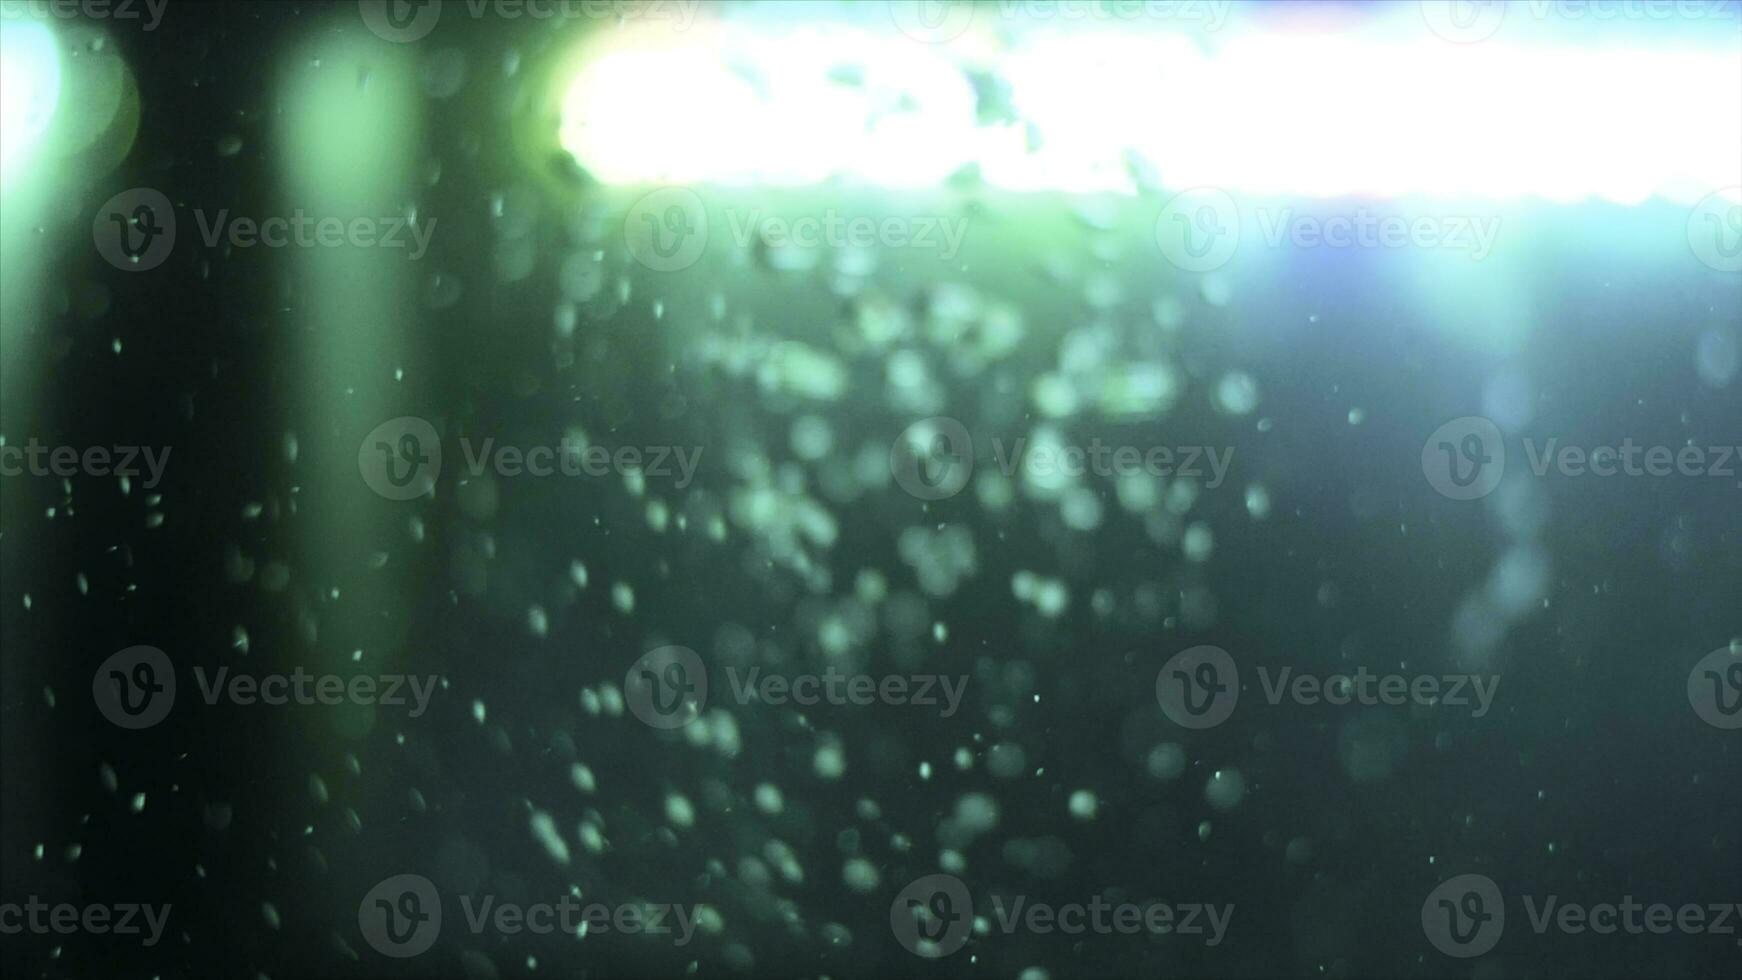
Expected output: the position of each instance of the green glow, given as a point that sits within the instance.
(348, 141)
(30, 80)
(63, 121)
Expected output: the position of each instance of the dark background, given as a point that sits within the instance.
(1591, 747)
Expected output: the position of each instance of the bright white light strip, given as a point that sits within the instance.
(1303, 115)
(29, 90)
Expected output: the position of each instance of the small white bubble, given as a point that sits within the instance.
(1084, 805)
(1225, 789)
(1166, 761)
(1258, 501)
(1237, 393)
(769, 799)
(582, 777)
(679, 812)
(861, 875)
(830, 760)
(1199, 542)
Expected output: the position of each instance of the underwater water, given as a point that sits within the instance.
(841, 490)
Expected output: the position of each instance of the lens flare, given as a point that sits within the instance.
(29, 91)
(1267, 112)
